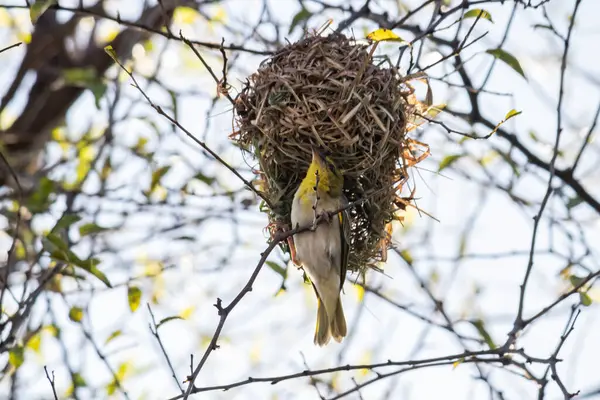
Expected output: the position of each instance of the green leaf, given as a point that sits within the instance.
(76, 314)
(277, 268)
(16, 356)
(98, 89)
(111, 53)
(479, 325)
(66, 221)
(511, 113)
(574, 202)
(478, 12)
(40, 200)
(157, 175)
(575, 280)
(209, 180)
(167, 319)
(97, 273)
(507, 58)
(38, 8)
(112, 336)
(448, 161)
(134, 297)
(406, 256)
(585, 299)
(78, 380)
(90, 229)
(301, 16)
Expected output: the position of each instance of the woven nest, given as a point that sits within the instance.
(327, 92)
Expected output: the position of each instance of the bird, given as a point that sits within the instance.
(322, 252)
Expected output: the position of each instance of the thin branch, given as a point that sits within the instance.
(51, 380)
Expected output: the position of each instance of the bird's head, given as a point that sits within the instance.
(323, 169)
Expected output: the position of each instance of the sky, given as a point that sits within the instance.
(270, 335)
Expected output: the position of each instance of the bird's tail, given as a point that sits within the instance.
(328, 327)
(323, 329)
(338, 322)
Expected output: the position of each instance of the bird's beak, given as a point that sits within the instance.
(317, 155)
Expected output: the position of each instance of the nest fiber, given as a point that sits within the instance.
(327, 92)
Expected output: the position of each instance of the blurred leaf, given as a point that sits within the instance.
(156, 177)
(433, 111)
(98, 89)
(38, 8)
(165, 320)
(429, 95)
(16, 356)
(448, 161)
(90, 229)
(575, 280)
(301, 16)
(478, 12)
(59, 250)
(66, 221)
(106, 169)
(87, 78)
(574, 202)
(277, 268)
(585, 299)
(97, 273)
(187, 312)
(383, 34)
(78, 380)
(40, 199)
(360, 292)
(509, 160)
(35, 343)
(479, 325)
(76, 314)
(113, 335)
(407, 257)
(134, 297)
(209, 180)
(507, 58)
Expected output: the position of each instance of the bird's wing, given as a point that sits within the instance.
(344, 218)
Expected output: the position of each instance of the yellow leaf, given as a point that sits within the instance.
(24, 37)
(185, 15)
(134, 297)
(457, 363)
(360, 292)
(187, 312)
(383, 34)
(365, 359)
(6, 19)
(76, 314)
(35, 343)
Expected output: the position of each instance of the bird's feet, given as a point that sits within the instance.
(321, 216)
(292, 246)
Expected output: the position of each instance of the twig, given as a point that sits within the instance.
(51, 380)
(10, 47)
(154, 331)
(199, 142)
(518, 324)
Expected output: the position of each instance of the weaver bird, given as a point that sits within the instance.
(323, 251)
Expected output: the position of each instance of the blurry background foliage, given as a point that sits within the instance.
(119, 230)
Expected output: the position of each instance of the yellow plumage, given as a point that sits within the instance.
(323, 252)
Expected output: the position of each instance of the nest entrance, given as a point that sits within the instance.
(326, 91)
